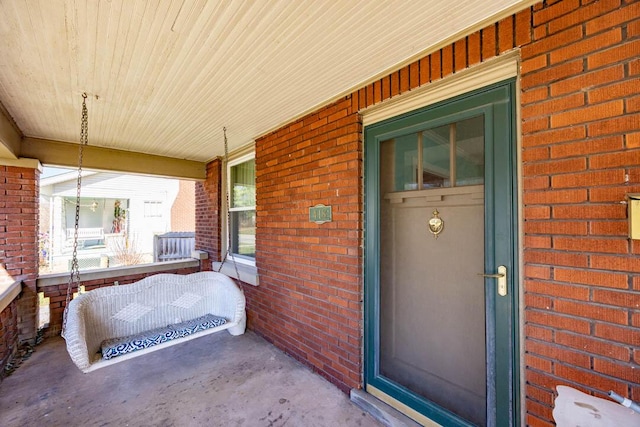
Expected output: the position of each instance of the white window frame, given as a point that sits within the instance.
(153, 209)
(227, 201)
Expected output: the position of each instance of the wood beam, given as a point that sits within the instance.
(56, 153)
(10, 137)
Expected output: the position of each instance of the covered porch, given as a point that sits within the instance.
(216, 380)
(309, 95)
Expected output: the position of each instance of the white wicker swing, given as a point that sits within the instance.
(158, 311)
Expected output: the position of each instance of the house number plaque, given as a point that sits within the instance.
(320, 214)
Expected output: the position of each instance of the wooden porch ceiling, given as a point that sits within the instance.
(164, 76)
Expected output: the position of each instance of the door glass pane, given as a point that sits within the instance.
(406, 162)
(470, 151)
(436, 157)
(433, 149)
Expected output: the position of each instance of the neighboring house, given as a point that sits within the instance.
(119, 216)
(183, 210)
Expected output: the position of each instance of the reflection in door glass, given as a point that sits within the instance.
(451, 155)
(436, 157)
(470, 151)
(406, 162)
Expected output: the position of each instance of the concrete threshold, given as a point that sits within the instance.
(385, 414)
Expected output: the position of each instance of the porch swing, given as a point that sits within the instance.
(116, 323)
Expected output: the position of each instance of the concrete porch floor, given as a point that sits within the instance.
(215, 380)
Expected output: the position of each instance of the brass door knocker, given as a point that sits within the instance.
(436, 224)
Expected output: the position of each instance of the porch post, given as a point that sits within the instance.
(208, 214)
(19, 221)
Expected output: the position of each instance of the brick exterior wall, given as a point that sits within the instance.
(581, 156)
(19, 193)
(309, 298)
(208, 210)
(8, 334)
(580, 118)
(57, 294)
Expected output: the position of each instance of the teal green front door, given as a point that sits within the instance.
(441, 299)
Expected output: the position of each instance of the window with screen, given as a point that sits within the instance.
(242, 207)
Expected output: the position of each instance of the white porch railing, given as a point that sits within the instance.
(173, 246)
(86, 233)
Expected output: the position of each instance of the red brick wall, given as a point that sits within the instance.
(580, 117)
(19, 192)
(308, 301)
(8, 334)
(581, 154)
(208, 215)
(58, 294)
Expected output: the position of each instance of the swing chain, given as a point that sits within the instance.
(228, 253)
(74, 276)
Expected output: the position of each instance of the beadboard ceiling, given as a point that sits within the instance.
(165, 76)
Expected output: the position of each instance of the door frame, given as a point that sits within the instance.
(510, 354)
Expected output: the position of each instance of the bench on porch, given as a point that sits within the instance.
(160, 310)
(85, 235)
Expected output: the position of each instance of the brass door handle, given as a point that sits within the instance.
(502, 279)
(491, 276)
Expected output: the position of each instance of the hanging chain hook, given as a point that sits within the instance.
(74, 276)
